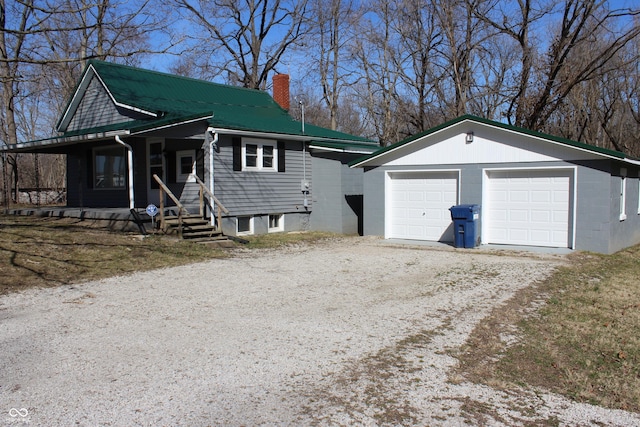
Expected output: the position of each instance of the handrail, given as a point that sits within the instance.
(208, 191)
(205, 189)
(181, 208)
(169, 193)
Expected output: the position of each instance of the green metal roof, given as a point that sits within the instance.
(551, 138)
(175, 99)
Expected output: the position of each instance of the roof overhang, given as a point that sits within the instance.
(289, 137)
(336, 148)
(50, 143)
(377, 158)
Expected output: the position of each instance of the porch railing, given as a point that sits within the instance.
(182, 211)
(212, 199)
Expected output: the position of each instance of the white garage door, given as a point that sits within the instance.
(528, 208)
(419, 205)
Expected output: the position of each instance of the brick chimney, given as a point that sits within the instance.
(281, 90)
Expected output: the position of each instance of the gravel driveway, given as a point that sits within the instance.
(355, 331)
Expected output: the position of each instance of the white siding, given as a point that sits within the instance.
(489, 146)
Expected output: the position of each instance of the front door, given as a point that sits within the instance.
(155, 154)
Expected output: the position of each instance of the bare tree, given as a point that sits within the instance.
(376, 53)
(420, 38)
(243, 40)
(42, 47)
(546, 79)
(331, 33)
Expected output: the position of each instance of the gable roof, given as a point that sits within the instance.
(381, 153)
(158, 99)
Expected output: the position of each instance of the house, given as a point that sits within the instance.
(533, 189)
(123, 125)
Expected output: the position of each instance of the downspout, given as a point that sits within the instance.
(212, 144)
(132, 203)
(305, 184)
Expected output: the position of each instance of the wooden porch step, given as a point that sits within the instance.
(194, 229)
(191, 220)
(201, 234)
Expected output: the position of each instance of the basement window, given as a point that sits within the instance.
(244, 225)
(276, 223)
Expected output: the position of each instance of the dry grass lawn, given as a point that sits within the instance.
(44, 252)
(575, 334)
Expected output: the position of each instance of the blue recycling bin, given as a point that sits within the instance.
(466, 225)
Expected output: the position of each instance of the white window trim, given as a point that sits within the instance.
(638, 193)
(259, 161)
(245, 233)
(623, 194)
(280, 226)
(180, 177)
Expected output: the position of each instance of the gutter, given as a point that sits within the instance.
(61, 141)
(212, 143)
(130, 168)
(340, 150)
(289, 137)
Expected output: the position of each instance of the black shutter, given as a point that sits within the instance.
(200, 163)
(237, 154)
(281, 156)
(171, 167)
(89, 169)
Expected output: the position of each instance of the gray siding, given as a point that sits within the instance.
(254, 193)
(594, 206)
(624, 233)
(374, 209)
(337, 202)
(187, 192)
(96, 109)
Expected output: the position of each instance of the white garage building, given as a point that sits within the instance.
(533, 189)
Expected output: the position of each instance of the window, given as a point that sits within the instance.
(244, 225)
(109, 167)
(623, 193)
(251, 156)
(276, 222)
(267, 156)
(259, 155)
(185, 165)
(639, 193)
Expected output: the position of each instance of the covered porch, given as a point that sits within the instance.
(114, 219)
